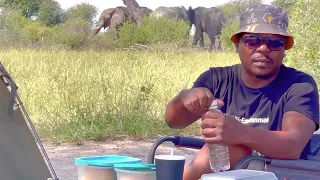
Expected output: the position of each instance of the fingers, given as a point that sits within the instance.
(209, 98)
(212, 115)
(198, 100)
(220, 103)
(211, 123)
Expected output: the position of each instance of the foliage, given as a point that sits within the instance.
(28, 8)
(305, 27)
(83, 11)
(51, 13)
(11, 23)
(233, 10)
(154, 31)
(74, 34)
(285, 4)
(36, 33)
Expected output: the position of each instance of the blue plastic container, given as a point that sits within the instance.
(101, 167)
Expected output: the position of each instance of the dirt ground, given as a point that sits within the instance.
(62, 156)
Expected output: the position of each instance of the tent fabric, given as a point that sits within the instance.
(20, 157)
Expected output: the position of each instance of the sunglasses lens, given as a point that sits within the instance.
(276, 44)
(252, 41)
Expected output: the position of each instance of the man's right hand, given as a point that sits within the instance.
(197, 100)
(188, 106)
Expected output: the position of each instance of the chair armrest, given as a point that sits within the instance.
(189, 142)
(247, 159)
(179, 141)
(299, 164)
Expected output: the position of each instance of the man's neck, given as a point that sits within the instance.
(254, 82)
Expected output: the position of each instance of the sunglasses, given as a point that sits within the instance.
(273, 43)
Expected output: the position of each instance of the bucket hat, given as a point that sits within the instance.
(264, 19)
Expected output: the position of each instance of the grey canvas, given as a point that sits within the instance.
(20, 157)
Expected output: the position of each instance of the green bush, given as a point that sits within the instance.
(35, 32)
(74, 34)
(154, 31)
(230, 27)
(305, 27)
(11, 23)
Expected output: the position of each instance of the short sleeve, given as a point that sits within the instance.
(204, 80)
(303, 97)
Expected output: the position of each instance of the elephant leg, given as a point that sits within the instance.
(212, 42)
(219, 43)
(197, 37)
(202, 41)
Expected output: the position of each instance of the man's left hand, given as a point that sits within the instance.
(219, 128)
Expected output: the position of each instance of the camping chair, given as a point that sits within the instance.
(284, 169)
(20, 155)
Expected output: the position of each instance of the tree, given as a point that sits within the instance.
(28, 8)
(134, 11)
(234, 8)
(305, 27)
(51, 13)
(84, 11)
(285, 4)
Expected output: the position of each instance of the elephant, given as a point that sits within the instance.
(115, 18)
(178, 13)
(112, 18)
(145, 11)
(209, 20)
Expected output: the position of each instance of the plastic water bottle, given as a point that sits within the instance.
(218, 154)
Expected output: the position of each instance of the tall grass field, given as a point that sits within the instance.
(88, 95)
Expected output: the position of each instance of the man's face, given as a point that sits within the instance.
(262, 59)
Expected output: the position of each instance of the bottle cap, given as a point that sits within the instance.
(214, 105)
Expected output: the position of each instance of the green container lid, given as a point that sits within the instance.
(136, 167)
(106, 161)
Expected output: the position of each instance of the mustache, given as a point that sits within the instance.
(261, 56)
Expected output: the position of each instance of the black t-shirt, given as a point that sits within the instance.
(292, 90)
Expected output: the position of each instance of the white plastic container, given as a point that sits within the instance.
(123, 174)
(101, 167)
(86, 172)
(241, 174)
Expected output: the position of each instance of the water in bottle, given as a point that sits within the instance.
(218, 154)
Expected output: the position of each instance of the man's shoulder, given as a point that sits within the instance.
(215, 76)
(225, 70)
(296, 76)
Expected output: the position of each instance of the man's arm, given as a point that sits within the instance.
(300, 120)
(177, 115)
(289, 143)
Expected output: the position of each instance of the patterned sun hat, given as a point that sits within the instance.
(265, 19)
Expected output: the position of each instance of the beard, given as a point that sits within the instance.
(264, 77)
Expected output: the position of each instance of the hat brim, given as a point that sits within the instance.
(264, 28)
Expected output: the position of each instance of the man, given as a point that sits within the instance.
(269, 108)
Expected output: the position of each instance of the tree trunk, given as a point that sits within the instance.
(134, 11)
